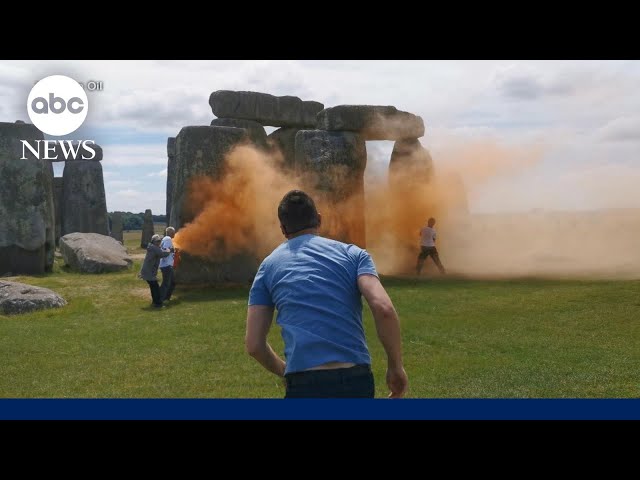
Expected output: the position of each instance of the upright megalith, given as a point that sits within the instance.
(255, 130)
(171, 175)
(265, 109)
(412, 197)
(200, 152)
(332, 164)
(27, 218)
(284, 140)
(84, 204)
(58, 191)
(147, 228)
(372, 122)
(116, 226)
(410, 164)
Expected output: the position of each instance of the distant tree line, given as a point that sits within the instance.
(134, 221)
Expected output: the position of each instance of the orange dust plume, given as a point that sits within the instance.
(236, 213)
(417, 188)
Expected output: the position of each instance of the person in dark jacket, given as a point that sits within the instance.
(149, 270)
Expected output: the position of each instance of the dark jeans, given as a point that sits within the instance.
(426, 252)
(155, 293)
(353, 382)
(168, 282)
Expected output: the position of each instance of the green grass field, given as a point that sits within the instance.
(461, 338)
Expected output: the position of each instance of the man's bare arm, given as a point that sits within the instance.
(388, 329)
(259, 318)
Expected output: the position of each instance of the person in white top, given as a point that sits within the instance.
(428, 247)
(166, 266)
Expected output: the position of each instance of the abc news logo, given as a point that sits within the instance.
(58, 105)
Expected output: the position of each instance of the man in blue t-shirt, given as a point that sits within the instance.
(316, 285)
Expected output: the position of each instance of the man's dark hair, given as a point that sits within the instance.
(297, 211)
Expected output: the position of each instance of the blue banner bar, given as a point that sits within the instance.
(319, 409)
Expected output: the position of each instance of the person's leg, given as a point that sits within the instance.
(172, 283)
(421, 257)
(354, 382)
(166, 280)
(436, 260)
(155, 293)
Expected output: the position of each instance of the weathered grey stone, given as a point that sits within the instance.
(147, 228)
(84, 204)
(331, 164)
(200, 151)
(22, 298)
(410, 163)
(171, 175)
(27, 232)
(94, 253)
(256, 131)
(373, 122)
(171, 146)
(58, 191)
(83, 154)
(284, 139)
(116, 226)
(266, 109)
(239, 269)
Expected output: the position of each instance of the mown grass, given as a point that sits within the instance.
(462, 338)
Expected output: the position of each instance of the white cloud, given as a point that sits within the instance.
(161, 173)
(621, 129)
(583, 112)
(131, 200)
(134, 155)
(121, 184)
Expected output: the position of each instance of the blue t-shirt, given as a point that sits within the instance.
(312, 281)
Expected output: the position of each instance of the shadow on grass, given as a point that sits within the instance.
(189, 293)
(151, 308)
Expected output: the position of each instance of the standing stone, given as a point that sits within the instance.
(84, 204)
(116, 226)
(266, 109)
(27, 218)
(147, 228)
(171, 174)
(256, 131)
(58, 189)
(412, 198)
(331, 165)
(284, 139)
(410, 164)
(200, 151)
(373, 122)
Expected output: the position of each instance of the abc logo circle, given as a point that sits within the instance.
(57, 105)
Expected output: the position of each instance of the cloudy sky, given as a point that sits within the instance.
(523, 134)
